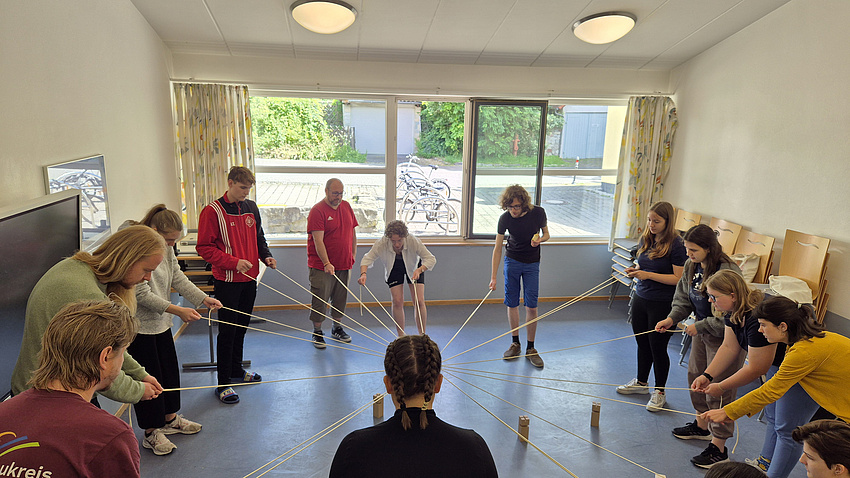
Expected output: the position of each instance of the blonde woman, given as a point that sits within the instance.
(153, 347)
(125, 259)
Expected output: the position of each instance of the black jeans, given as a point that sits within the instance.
(231, 339)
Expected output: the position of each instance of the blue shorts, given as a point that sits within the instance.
(529, 273)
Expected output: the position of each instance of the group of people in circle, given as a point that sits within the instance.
(739, 335)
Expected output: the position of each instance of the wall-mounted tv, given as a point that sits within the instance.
(35, 236)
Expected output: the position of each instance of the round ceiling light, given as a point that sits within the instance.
(323, 16)
(604, 28)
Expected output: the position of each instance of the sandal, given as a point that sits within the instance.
(227, 395)
(249, 377)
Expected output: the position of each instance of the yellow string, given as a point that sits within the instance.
(296, 328)
(361, 303)
(385, 341)
(201, 387)
(512, 429)
(489, 291)
(382, 307)
(574, 393)
(556, 426)
(290, 336)
(330, 428)
(416, 310)
(461, 369)
(526, 324)
(566, 348)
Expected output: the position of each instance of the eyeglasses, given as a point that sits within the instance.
(713, 298)
(515, 208)
(337, 194)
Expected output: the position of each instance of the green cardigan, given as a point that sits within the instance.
(69, 281)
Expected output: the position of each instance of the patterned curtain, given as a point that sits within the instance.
(647, 146)
(213, 133)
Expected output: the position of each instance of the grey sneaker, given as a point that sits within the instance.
(181, 425)
(534, 358)
(158, 443)
(656, 401)
(340, 334)
(633, 387)
(513, 351)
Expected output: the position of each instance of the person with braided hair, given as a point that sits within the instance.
(412, 365)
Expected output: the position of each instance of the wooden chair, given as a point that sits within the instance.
(752, 243)
(686, 220)
(727, 233)
(804, 256)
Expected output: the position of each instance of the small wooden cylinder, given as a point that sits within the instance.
(523, 426)
(594, 414)
(378, 405)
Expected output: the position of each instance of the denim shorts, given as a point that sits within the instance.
(529, 273)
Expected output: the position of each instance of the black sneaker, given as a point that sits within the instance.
(319, 339)
(691, 432)
(340, 334)
(710, 457)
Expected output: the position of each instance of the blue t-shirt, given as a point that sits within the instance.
(652, 290)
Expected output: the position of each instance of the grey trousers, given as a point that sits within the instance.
(326, 286)
(703, 349)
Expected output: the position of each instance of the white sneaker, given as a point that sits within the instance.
(633, 387)
(656, 401)
(158, 443)
(181, 425)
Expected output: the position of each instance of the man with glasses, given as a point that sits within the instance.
(331, 247)
(523, 221)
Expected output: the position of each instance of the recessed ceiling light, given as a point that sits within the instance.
(323, 16)
(604, 28)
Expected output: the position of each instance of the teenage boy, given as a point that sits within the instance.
(231, 239)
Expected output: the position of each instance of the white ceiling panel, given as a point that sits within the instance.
(179, 20)
(534, 33)
(252, 21)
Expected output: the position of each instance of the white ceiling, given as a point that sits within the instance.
(533, 33)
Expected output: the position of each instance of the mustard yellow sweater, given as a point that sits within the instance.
(822, 368)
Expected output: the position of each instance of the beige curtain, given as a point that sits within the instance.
(213, 131)
(645, 153)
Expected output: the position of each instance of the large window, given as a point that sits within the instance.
(403, 158)
(564, 155)
(300, 143)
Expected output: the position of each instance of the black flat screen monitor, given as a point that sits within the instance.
(35, 236)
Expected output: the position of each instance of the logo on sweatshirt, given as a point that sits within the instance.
(249, 220)
(330, 218)
(16, 443)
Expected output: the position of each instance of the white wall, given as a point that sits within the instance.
(763, 131)
(82, 78)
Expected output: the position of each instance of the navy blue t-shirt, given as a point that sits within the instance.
(748, 335)
(652, 290)
(702, 307)
(521, 230)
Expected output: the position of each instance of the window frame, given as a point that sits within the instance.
(389, 169)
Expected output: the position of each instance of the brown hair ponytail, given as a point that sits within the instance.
(413, 364)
